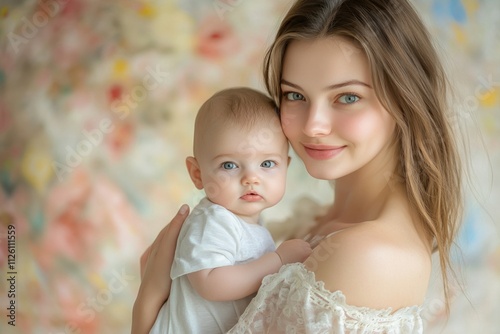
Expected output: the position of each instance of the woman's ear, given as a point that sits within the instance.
(194, 172)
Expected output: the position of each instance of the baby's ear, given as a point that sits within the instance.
(194, 171)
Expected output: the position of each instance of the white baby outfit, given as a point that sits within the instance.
(210, 237)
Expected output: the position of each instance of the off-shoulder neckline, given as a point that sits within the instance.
(339, 297)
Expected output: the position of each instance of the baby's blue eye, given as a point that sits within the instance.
(293, 96)
(268, 164)
(229, 165)
(348, 98)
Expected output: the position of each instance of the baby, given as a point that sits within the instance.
(223, 251)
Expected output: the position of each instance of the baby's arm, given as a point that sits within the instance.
(238, 281)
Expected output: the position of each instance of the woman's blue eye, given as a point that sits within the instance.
(268, 164)
(348, 98)
(229, 165)
(294, 96)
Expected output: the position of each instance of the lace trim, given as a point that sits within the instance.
(358, 313)
(295, 302)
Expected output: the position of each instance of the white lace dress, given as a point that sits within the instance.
(292, 301)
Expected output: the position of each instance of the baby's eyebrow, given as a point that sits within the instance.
(223, 155)
(274, 154)
(260, 154)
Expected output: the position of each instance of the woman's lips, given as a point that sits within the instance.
(323, 152)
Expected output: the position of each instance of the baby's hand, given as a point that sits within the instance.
(295, 250)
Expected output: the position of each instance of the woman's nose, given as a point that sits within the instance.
(318, 122)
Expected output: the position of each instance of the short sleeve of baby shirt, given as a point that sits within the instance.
(209, 238)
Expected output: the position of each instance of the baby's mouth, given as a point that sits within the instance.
(251, 196)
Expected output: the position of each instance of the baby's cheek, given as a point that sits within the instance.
(288, 120)
(213, 190)
(215, 184)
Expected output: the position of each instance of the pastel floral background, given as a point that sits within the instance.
(97, 103)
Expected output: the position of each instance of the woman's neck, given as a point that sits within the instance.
(361, 195)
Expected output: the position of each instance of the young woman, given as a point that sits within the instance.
(362, 98)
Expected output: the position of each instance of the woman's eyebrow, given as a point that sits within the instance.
(334, 86)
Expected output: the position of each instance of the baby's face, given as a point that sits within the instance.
(244, 170)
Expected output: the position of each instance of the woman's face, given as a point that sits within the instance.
(329, 110)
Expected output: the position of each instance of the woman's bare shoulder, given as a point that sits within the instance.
(372, 266)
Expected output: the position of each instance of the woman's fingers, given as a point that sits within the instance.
(160, 255)
(155, 274)
(144, 260)
(172, 230)
(167, 239)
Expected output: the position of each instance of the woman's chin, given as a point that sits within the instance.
(322, 174)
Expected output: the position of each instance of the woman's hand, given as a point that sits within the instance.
(155, 274)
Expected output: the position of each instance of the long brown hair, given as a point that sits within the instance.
(410, 82)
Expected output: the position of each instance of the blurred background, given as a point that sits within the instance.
(97, 106)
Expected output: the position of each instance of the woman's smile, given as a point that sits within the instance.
(322, 152)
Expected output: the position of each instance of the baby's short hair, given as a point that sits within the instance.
(241, 106)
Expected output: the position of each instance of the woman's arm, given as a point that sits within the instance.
(238, 281)
(155, 275)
